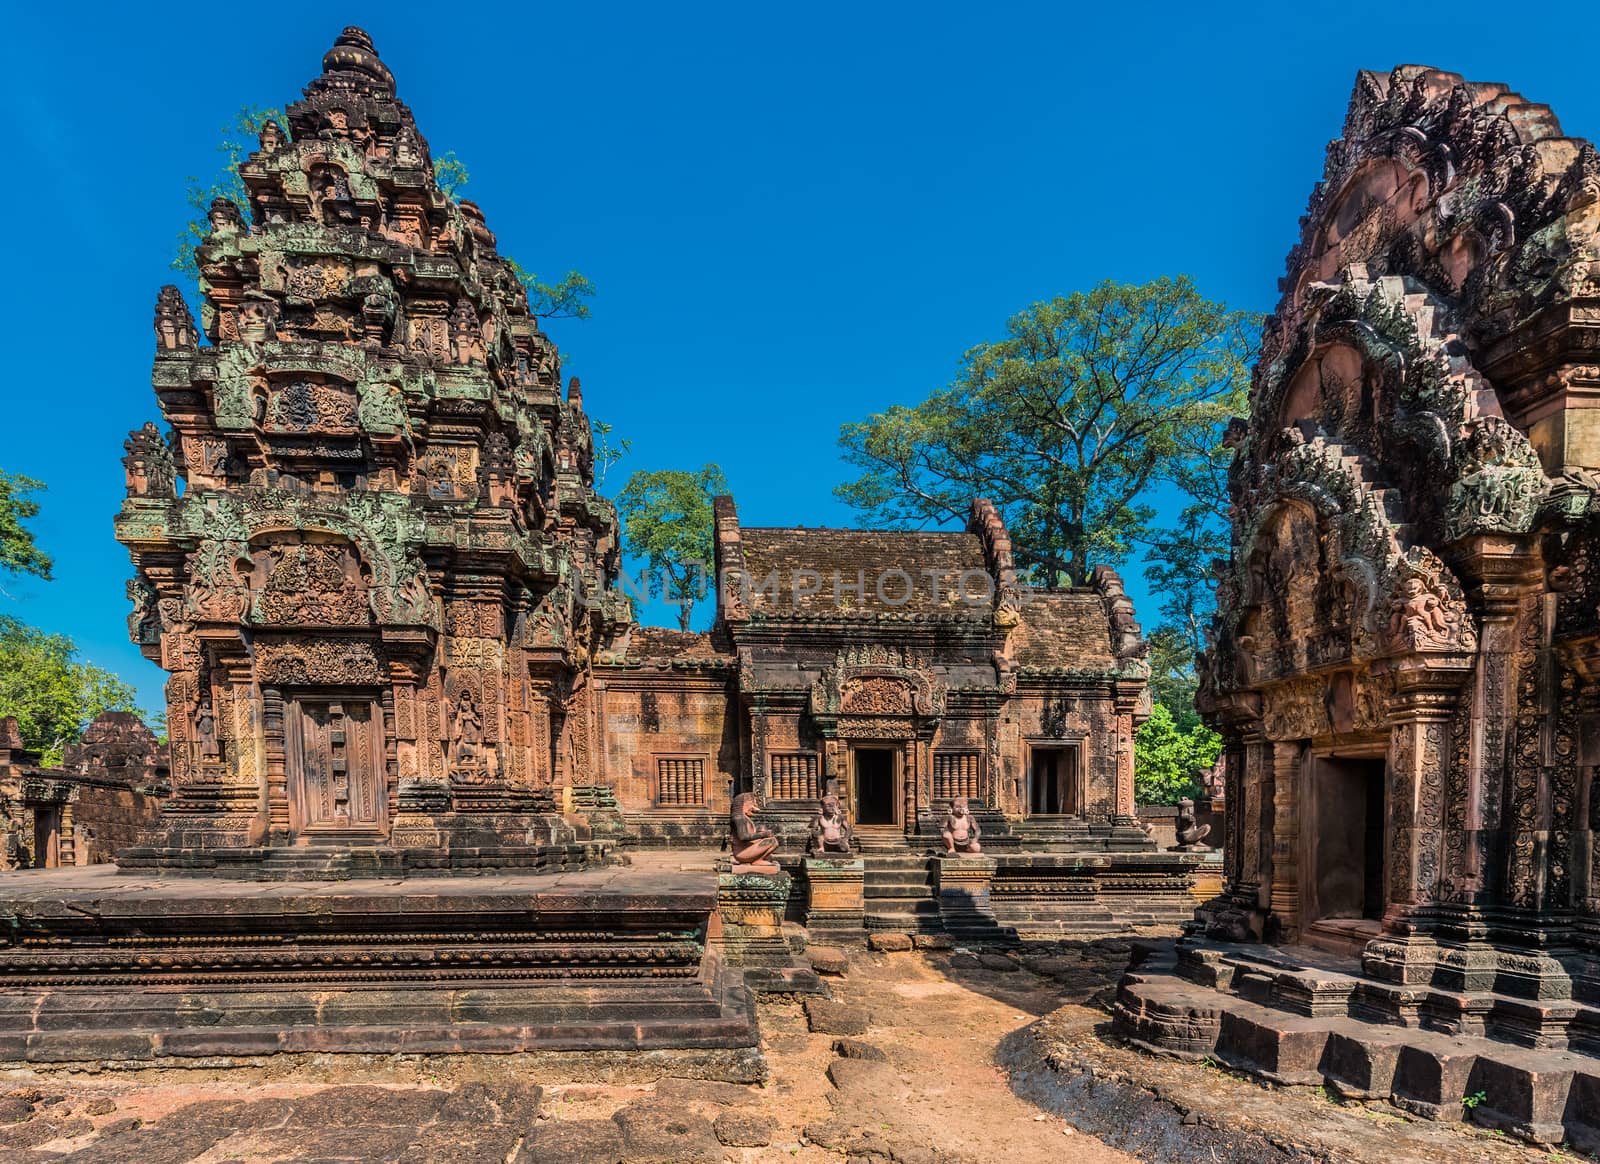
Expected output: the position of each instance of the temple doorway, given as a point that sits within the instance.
(1053, 781)
(47, 837)
(1346, 839)
(336, 781)
(875, 798)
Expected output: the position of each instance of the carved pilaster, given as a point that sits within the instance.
(1284, 886)
(1420, 713)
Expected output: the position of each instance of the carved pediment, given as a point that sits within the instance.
(878, 681)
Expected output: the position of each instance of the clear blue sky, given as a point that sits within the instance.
(795, 214)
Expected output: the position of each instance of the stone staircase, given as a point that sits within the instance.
(899, 892)
(1300, 1017)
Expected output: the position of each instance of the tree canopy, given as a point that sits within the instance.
(1169, 759)
(667, 522)
(19, 553)
(1067, 424)
(53, 695)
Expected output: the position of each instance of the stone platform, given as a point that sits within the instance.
(101, 966)
(1009, 896)
(1297, 1016)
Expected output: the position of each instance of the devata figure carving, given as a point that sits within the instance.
(830, 831)
(752, 844)
(467, 735)
(960, 830)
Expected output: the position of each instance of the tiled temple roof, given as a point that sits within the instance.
(659, 642)
(870, 554)
(1064, 629)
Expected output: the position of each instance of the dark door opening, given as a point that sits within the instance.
(47, 837)
(1347, 842)
(1052, 782)
(875, 800)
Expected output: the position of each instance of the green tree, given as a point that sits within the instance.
(1167, 761)
(450, 174)
(240, 138)
(667, 521)
(52, 694)
(1066, 424)
(1173, 682)
(609, 448)
(567, 299)
(19, 553)
(1178, 568)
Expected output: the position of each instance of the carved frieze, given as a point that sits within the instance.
(319, 662)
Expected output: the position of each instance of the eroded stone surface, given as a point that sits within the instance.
(828, 1017)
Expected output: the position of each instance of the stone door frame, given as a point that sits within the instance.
(1078, 744)
(897, 749)
(294, 700)
(1307, 799)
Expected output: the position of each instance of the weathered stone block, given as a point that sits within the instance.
(826, 1017)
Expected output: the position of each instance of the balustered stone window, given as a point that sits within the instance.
(680, 780)
(794, 776)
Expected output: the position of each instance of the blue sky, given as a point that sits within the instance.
(795, 214)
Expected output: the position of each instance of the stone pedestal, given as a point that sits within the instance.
(965, 906)
(750, 909)
(115, 967)
(836, 898)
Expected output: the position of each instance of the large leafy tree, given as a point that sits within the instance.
(667, 522)
(52, 693)
(1067, 424)
(19, 553)
(1169, 759)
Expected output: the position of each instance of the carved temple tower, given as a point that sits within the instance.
(370, 554)
(1405, 670)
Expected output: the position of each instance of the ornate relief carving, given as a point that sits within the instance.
(1426, 609)
(1500, 481)
(319, 662)
(312, 583)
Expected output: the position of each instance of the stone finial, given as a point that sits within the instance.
(149, 464)
(225, 218)
(10, 734)
(175, 331)
(272, 137)
(575, 393)
(353, 52)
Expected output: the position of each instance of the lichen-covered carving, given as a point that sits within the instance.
(1500, 482)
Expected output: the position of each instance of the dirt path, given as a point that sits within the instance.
(943, 1091)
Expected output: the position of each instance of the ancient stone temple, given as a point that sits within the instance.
(371, 557)
(1405, 663)
(899, 670)
(361, 551)
(412, 720)
(103, 798)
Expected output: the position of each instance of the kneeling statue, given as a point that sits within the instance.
(830, 832)
(752, 843)
(960, 830)
(1190, 831)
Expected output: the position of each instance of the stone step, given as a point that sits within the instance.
(1546, 1096)
(1267, 978)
